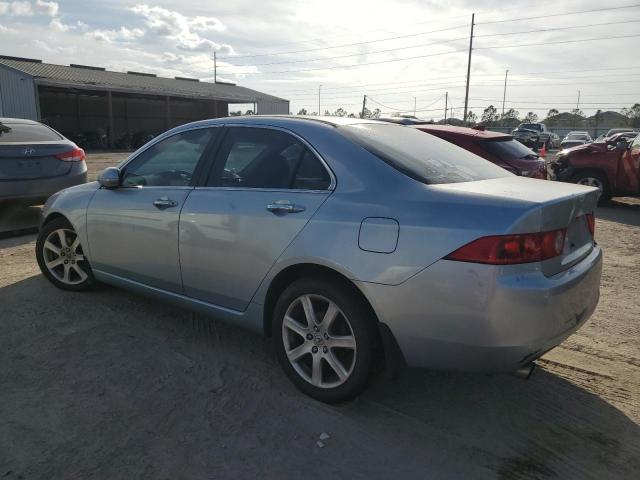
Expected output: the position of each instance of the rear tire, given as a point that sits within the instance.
(61, 258)
(324, 339)
(594, 179)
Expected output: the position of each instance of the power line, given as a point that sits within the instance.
(560, 14)
(493, 47)
(553, 29)
(353, 65)
(328, 47)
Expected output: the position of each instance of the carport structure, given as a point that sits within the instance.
(78, 99)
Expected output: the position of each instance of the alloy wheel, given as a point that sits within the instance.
(64, 257)
(319, 341)
(590, 182)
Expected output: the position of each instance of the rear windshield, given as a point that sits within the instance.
(27, 132)
(508, 148)
(421, 156)
(530, 126)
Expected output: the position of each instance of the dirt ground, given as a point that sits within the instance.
(107, 384)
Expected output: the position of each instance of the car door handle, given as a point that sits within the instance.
(284, 207)
(164, 202)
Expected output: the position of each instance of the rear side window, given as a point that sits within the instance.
(266, 158)
(421, 156)
(507, 149)
(26, 132)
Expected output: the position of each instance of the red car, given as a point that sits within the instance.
(498, 148)
(612, 165)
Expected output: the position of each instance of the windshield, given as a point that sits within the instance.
(421, 156)
(27, 132)
(508, 148)
(576, 136)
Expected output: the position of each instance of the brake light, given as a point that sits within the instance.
(75, 155)
(591, 223)
(512, 249)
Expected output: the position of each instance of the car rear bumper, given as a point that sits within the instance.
(42, 188)
(472, 317)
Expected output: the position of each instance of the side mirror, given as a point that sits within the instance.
(110, 178)
(621, 145)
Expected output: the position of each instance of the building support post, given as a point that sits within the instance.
(168, 117)
(110, 117)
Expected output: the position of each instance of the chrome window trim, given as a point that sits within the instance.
(332, 184)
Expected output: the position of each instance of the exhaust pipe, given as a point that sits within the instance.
(525, 371)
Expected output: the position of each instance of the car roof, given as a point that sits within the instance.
(284, 120)
(25, 121)
(461, 131)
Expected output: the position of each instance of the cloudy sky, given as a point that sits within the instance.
(401, 53)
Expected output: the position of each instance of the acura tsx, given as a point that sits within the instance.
(351, 243)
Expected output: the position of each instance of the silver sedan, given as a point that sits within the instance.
(354, 244)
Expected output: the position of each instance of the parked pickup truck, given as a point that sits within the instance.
(612, 165)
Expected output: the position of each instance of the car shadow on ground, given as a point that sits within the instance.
(110, 384)
(620, 211)
(18, 218)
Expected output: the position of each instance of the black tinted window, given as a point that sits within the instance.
(421, 156)
(266, 158)
(506, 149)
(25, 132)
(170, 162)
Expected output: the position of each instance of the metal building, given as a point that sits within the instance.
(80, 100)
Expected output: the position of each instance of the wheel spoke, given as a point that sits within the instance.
(330, 315)
(63, 238)
(293, 325)
(298, 352)
(80, 272)
(309, 313)
(67, 271)
(50, 246)
(316, 370)
(335, 364)
(55, 263)
(346, 341)
(79, 258)
(76, 243)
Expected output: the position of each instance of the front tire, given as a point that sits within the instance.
(324, 339)
(61, 257)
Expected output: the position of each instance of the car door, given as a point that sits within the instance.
(265, 185)
(628, 180)
(133, 229)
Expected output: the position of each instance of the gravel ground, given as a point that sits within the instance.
(107, 384)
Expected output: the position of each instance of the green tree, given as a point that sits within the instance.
(303, 111)
(530, 118)
(489, 115)
(340, 112)
(511, 114)
(236, 113)
(249, 112)
(472, 118)
(578, 112)
(633, 114)
(552, 113)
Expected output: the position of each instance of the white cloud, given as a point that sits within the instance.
(49, 8)
(28, 9)
(57, 25)
(124, 34)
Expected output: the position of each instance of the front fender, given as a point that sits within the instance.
(72, 203)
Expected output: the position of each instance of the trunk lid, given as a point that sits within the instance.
(33, 160)
(546, 206)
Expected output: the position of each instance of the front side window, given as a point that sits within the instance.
(266, 158)
(170, 162)
(421, 156)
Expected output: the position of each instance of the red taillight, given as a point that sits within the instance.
(591, 223)
(75, 155)
(512, 249)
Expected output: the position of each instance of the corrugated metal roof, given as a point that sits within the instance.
(62, 75)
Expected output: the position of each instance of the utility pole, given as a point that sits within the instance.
(504, 92)
(364, 106)
(466, 95)
(414, 106)
(578, 104)
(319, 111)
(215, 68)
(446, 101)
